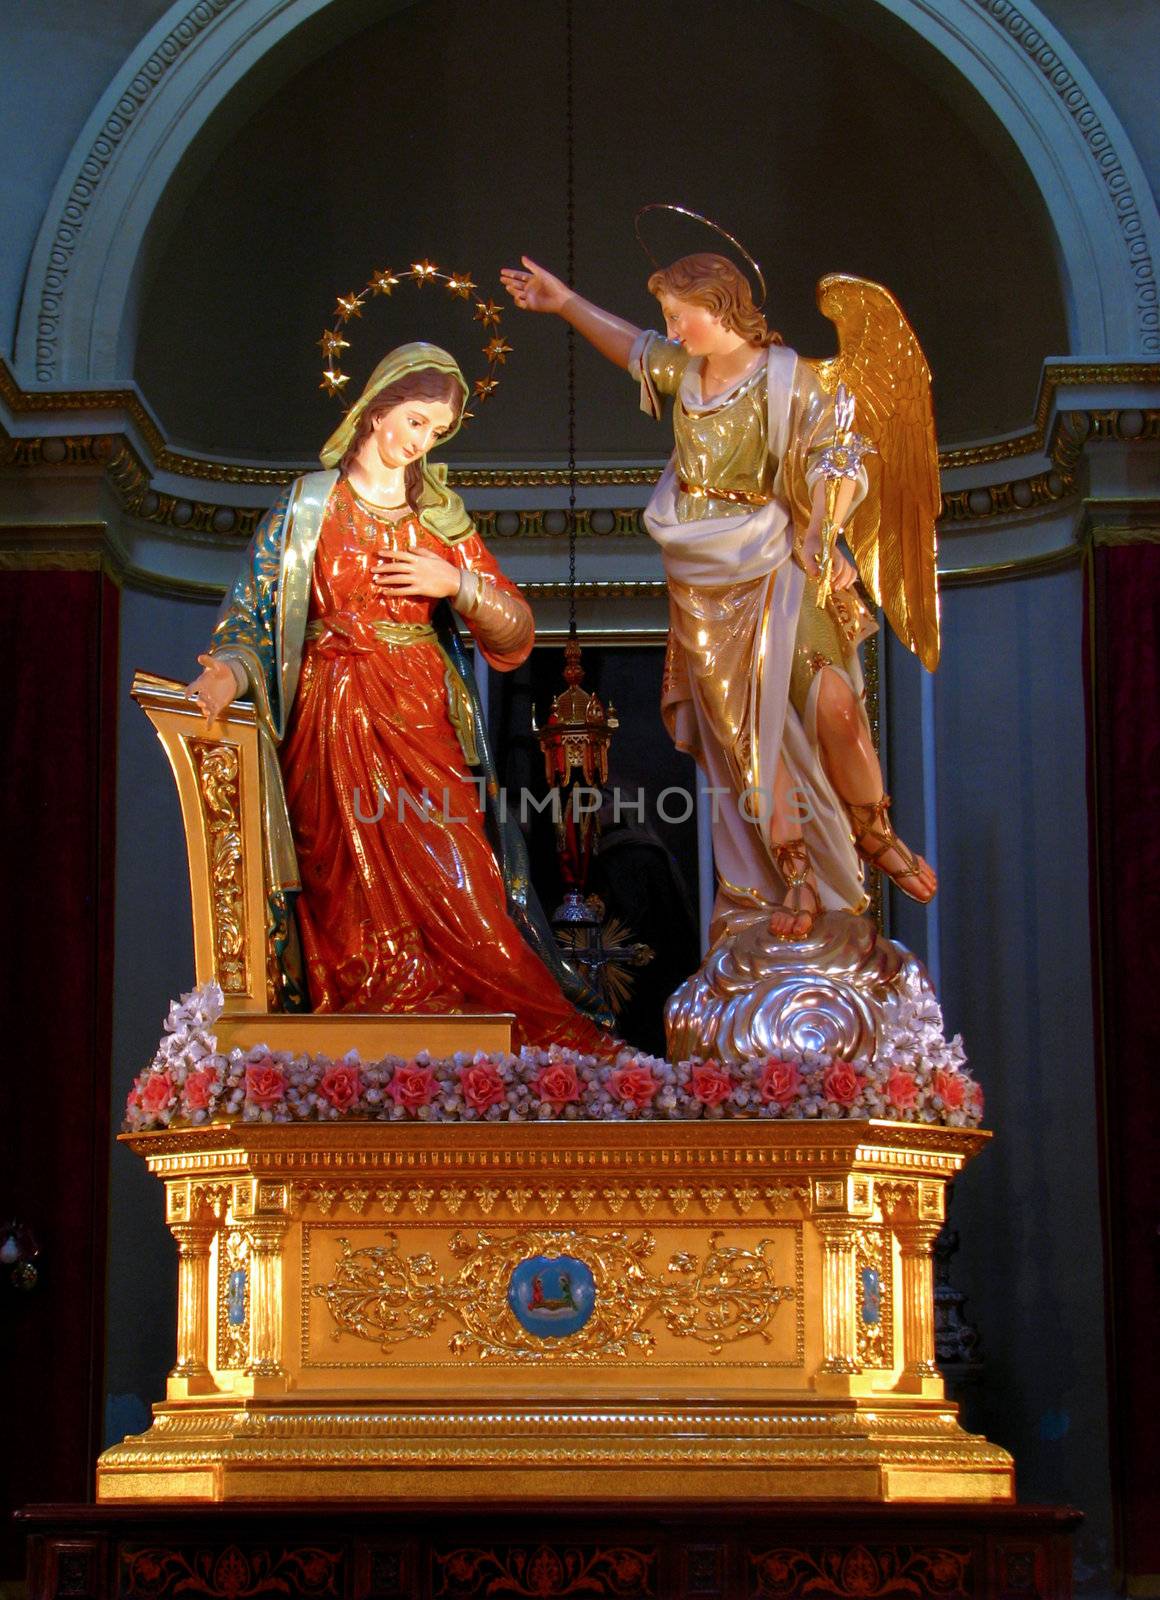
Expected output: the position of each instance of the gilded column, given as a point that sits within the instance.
(265, 1239)
(920, 1373)
(839, 1296)
(191, 1373)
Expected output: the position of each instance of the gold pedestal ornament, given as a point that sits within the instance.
(576, 1310)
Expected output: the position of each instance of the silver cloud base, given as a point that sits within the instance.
(846, 991)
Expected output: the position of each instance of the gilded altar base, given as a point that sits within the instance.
(576, 1310)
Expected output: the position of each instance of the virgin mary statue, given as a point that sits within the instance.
(406, 893)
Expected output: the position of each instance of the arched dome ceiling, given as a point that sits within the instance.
(438, 131)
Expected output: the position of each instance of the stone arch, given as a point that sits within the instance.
(78, 313)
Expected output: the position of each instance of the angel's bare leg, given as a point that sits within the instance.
(794, 918)
(854, 770)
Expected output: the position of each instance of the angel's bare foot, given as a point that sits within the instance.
(877, 843)
(795, 917)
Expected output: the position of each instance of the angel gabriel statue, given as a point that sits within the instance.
(762, 682)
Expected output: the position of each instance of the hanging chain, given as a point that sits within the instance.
(570, 195)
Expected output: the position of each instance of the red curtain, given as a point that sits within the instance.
(57, 730)
(1124, 778)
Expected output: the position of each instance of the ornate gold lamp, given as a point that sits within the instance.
(578, 731)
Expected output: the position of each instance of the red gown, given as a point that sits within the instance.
(403, 913)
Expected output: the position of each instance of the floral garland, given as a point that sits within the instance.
(921, 1078)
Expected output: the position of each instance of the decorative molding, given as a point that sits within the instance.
(891, 1149)
(612, 589)
(134, 486)
(1103, 153)
(1060, 375)
(1035, 566)
(426, 1200)
(592, 522)
(90, 545)
(78, 297)
(1145, 534)
(91, 170)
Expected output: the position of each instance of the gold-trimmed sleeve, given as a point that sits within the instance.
(499, 617)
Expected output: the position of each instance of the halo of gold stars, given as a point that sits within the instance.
(422, 274)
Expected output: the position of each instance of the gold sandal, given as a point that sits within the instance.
(792, 861)
(874, 837)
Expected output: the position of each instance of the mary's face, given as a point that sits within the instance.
(694, 327)
(408, 431)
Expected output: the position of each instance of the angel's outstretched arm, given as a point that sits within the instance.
(536, 289)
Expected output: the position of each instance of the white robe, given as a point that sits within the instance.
(734, 599)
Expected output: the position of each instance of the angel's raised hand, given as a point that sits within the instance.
(534, 288)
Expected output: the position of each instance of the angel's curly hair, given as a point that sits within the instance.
(715, 283)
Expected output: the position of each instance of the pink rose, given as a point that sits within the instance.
(950, 1088)
(341, 1086)
(199, 1086)
(840, 1083)
(156, 1092)
(710, 1083)
(902, 1090)
(482, 1086)
(265, 1084)
(975, 1099)
(779, 1080)
(413, 1086)
(635, 1084)
(558, 1085)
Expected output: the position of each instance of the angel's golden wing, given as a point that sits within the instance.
(892, 533)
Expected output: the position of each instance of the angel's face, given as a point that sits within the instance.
(695, 328)
(407, 431)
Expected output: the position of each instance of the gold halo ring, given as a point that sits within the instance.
(695, 216)
(421, 273)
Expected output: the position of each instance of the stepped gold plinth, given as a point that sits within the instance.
(590, 1311)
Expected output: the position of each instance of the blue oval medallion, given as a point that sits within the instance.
(871, 1307)
(552, 1296)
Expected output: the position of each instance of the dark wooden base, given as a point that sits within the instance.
(690, 1551)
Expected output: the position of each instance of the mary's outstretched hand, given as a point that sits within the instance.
(214, 689)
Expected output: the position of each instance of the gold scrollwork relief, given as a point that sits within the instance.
(875, 1291)
(211, 1199)
(233, 1300)
(896, 1199)
(219, 782)
(381, 1294)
